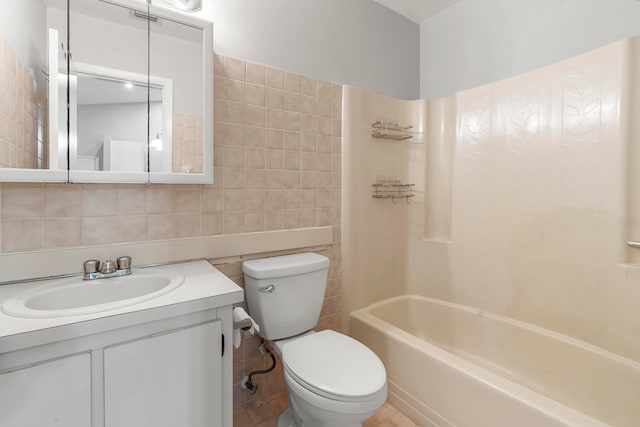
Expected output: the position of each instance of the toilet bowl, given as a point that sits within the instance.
(332, 379)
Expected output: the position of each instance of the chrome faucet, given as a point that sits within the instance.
(94, 269)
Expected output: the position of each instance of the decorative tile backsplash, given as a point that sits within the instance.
(23, 114)
(277, 160)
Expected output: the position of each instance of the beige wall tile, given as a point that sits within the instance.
(62, 233)
(308, 161)
(275, 179)
(274, 159)
(292, 160)
(275, 78)
(22, 235)
(325, 126)
(274, 98)
(323, 181)
(292, 121)
(274, 119)
(98, 230)
(324, 162)
(255, 221)
(212, 200)
(274, 200)
(323, 199)
(256, 95)
(234, 156)
(309, 105)
(255, 158)
(98, 199)
(308, 142)
(307, 199)
(131, 228)
(63, 201)
(256, 137)
(292, 199)
(292, 82)
(307, 218)
(292, 101)
(292, 141)
(234, 222)
(211, 224)
(234, 200)
(309, 86)
(308, 123)
(131, 200)
(231, 134)
(22, 202)
(234, 112)
(274, 220)
(233, 178)
(218, 65)
(256, 179)
(186, 201)
(234, 90)
(274, 138)
(291, 219)
(256, 74)
(187, 224)
(308, 180)
(159, 199)
(291, 180)
(255, 116)
(255, 200)
(235, 69)
(160, 227)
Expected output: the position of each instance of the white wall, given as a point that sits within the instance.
(356, 42)
(477, 42)
(127, 122)
(101, 42)
(23, 25)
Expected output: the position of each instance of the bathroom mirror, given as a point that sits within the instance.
(138, 87)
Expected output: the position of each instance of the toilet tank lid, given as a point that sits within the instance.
(287, 265)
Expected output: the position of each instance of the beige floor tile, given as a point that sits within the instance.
(265, 412)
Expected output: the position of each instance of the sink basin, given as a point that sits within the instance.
(74, 296)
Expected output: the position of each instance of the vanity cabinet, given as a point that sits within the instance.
(169, 372)
(52, 393)
(164, 362)
(166, 380)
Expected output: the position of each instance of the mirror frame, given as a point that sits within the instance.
(76, 176)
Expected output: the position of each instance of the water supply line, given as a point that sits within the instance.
(246, 383)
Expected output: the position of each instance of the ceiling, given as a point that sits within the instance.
(417, 10)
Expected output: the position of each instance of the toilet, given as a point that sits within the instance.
(332, 379)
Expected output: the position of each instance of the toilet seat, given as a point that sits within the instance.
(334, 366)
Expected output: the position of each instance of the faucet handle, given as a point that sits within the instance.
(91, 266)
(124, 263)
(108, 267)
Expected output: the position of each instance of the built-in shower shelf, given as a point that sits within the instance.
(386, 130)
(392, 190)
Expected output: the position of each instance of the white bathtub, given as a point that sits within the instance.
(452, 365)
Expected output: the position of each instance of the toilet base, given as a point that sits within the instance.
(286, 419)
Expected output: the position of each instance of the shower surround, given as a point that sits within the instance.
(526, 194)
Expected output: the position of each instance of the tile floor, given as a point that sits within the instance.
(265, 414)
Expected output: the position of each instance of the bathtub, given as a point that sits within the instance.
(452, 365)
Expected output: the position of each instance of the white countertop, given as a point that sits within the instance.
(204, 288)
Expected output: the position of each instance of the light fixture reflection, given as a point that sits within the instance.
(156, 143)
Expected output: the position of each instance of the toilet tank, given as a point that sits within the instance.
(285, 293)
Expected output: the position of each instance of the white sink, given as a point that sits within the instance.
(74, 296)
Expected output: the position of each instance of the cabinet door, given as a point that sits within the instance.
(167, 380)
(56, 393)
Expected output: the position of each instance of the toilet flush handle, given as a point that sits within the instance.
(269, 289)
